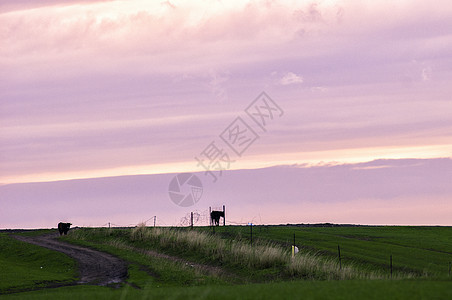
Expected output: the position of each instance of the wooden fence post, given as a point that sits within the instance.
(224, 216)
(390, 264)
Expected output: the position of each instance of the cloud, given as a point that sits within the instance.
(321, 89)
(310, 14)
(217, 85)
(291, 78)
(169, 4)
(426, 73)
(78, 80)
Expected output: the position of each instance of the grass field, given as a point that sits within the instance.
(348, 289)
(182, 263)
(26, 266)
(419, 250)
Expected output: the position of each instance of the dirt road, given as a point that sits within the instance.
(94, 267)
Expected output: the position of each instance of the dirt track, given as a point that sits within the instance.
(94, 267)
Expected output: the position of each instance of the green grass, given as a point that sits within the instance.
(347, 289)
(35, 232)
(262, 261)
(418, 250)
(422, 251)
(144, 269)
(26, 266)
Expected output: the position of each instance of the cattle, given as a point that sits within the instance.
(63, 228)
(215, 216)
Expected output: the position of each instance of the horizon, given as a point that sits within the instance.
(282, 224)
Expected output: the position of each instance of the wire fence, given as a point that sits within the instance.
(200, 218)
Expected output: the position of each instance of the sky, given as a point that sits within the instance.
(395, 192)
(96, 89)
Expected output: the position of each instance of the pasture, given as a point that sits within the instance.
(197, 263)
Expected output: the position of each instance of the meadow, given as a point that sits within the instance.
(197, 263)
(26, 266)
(420, 250)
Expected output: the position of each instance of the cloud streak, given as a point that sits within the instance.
(415, 192)
(291, 78)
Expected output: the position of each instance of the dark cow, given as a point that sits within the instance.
(63, 228)
(215, 216)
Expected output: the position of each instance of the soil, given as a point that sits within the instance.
(94, 267)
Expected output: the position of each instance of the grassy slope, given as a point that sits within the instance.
(260, 263)
(422, 248)
(414, 249)
(24, 265)
(148, 271)
(380, 289)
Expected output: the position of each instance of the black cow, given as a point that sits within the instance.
(215, 216)
(63, 228)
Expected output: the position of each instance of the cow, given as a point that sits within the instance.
(63, 228)
(215, 216)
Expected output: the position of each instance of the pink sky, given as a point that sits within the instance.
(401, 192)
(92, 89)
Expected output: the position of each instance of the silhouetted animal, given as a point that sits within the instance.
(63, 228)
(215, 216)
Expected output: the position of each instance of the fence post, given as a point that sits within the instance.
(251, 231)
(224, 216)
(191, 220)
(339, 255)
(155, 217)
(390, 264)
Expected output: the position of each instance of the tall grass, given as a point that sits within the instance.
(313, 266)
(260, 255)
(236, 253)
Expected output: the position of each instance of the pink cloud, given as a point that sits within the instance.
(291, 78)
(111, 85)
